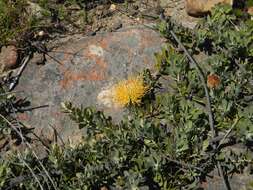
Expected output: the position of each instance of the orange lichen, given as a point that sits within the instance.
(129, 91)
(71, 77)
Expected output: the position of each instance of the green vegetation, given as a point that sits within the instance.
(167, 142)
(21, 19)
(13, 20)
(5, 130)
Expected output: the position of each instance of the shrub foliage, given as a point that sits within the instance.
(165, 142)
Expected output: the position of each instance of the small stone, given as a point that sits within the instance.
(104, 188)
(250, 11)
(41, 33)
(8, 58)
(112, 7)
(116, 26)
(202, 7)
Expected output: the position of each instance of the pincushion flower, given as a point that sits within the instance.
(130, 90)
(213, 81)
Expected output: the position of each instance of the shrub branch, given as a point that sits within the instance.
(208, 105)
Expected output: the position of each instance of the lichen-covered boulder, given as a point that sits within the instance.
(89, 66)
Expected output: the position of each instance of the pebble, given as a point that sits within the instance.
(250, 11)
(8, 58)
(112, 7)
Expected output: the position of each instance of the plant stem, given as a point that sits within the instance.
(208, 106)
(228, 132)
(203, 80)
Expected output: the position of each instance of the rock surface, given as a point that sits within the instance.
(176, 10)
(88, 66)
(236, 181)
(202, 7)
(8, 58)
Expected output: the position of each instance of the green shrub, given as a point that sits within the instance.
(13, 20)
(166, 143)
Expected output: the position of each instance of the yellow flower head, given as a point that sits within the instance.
(130, 90)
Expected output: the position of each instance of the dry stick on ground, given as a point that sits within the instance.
(56, 134)
(33, 174)
(228, 133)
(22, 138)
(209, 107)
(29, 145)
(10, 93)
(13, 182)
(186, 165)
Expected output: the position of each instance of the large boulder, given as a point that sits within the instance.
(202, 7)
(88, 66)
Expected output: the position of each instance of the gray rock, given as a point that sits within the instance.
(175, 9)
(236, 181)
(89, 65)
